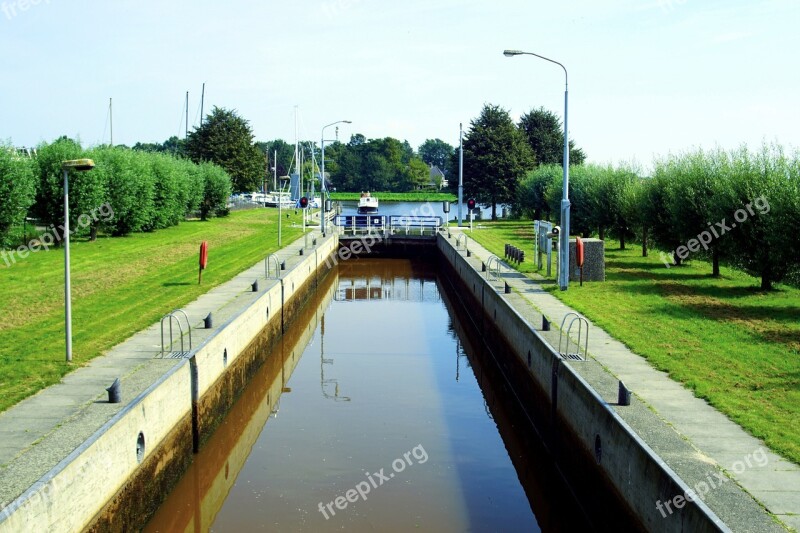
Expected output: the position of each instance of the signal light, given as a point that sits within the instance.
(303, 202)
(471, 204)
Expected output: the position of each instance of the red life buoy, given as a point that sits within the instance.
(579, 251)
(204, 255)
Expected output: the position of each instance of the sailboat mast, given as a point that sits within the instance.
(187, 115)
(202, 101)
(111, 120)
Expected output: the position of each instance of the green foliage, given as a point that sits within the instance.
(545, 134)
(87, 190)
(171, 192)
(496, 156)
(217, 189)
(375, 165)
(227, 140)
(437, 152)
(531, 201)
(131, 186)
(285, 155)
(17, 189)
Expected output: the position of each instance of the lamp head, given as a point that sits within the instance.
(78, 164)
(512, 53)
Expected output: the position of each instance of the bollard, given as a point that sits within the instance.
(545, 324)
(301, 251)
(114, 392)
(283, 265)
(208, 322)
(483, 266)
(254, 286)
(469, 254)
(508, 288)
(314, 241)
(623, 395)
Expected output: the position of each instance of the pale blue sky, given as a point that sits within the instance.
(647, 77)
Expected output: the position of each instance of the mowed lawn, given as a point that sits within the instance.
(732, 344)
(119, 286)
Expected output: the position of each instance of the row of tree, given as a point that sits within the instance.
(142, 191)
(498, 152)
(737, 207)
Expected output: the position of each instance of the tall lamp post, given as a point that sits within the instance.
(460, 172)
(79, 165)
(322, 170)
(563, 263)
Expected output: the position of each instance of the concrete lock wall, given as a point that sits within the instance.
(109, 482)
(585, 430)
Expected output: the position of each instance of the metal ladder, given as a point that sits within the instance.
(576, 356)
(174, 316)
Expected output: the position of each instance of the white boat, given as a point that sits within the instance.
(367, 204)
(275, 198)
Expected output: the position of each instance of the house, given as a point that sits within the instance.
(437, 179)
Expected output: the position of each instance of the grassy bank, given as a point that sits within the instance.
(729, 342)
(420, 196)
(119, 286)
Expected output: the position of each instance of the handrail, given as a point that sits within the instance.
(172, 316)
(581, 321)
(498, 263)
(267, 265)
(458, 241)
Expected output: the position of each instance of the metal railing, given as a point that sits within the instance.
(360, 224)
(577, 355)
(414, 225)
(268, 262)
(493, 271)
(173, 317)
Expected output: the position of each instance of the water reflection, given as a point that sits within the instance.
(303, 439)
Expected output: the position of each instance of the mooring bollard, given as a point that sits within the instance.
(508, 288)
(483, 266)
(208, 322)
(624, 395)
(545, 324)
(114, 392)
(254, 286)
(301, 251)
(283, 265)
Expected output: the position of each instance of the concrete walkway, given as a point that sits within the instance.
(37, 433)
(714, 439)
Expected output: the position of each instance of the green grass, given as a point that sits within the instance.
(729, 342)
(419, 196)
(119, 287)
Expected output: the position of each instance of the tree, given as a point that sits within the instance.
(285, 155)
(17, 188)
(545, 135)
(227, 140)
(87, 190)
(438, 153)
(217, 191)
(532, 196)
(496, 156)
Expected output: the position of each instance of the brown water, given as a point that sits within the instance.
(368, 416)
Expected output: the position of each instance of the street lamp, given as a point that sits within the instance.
(79, 165)
(322, 177)
(460, 172)
(563, 264)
